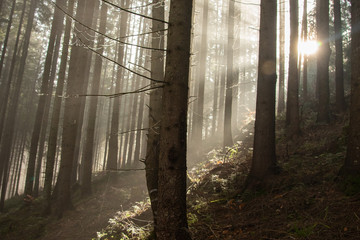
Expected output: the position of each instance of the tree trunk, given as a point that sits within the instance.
(76, 78)
(90, 132)
(8, 134)
(155, 109)
(45, 96)
(305, 64)
(172, 218)
(339, 63)
(264, 159)
(199, 115)
(54, 125)
(228, 141)
(113, 151)
(281, 99)
(292, 106)
(323, 63)
(352, 162)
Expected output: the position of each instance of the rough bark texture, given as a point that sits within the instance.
(353, 150)
(292, 106)
(264, 159)
(323, 63)
(172, 218)
(155, 110)
(228, 141)
(339, 62)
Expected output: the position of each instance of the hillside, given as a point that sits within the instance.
(307, 200)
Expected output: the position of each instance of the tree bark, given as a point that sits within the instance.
(292, 106)
(323, 54)
(88, 157)
(172, 218)
(264, 158)
(77, 72)
(55, 118)
(8, 134)
(228, 141)
(281, 99)
(44, 97)
(339, 62)
(155, 109)
(352, 162)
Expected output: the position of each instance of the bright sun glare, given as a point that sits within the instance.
(308, 47)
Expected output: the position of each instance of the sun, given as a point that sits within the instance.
(308, 47)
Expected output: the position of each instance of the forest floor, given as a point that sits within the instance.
(306, 200)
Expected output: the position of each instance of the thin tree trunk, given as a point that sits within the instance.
(292, 106)
(55, 119)
(339, 62)
(45, 97)
(305, 64)
(228, 141)
(323, 63)
(90, 132)
(78, 68)
(281, 99)
(13, 104)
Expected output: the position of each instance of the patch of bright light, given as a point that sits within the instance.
(308, 47)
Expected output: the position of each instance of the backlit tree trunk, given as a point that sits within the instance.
(292, 106)
(264, 158)
(323, 62)
(339, 63)
(172, 218)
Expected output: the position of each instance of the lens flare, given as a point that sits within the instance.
(308, 47)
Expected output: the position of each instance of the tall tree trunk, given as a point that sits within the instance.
(55, 119)
(90, 132)
(264, 158)
(292, 106)
(228, 141)
(339, 62)
(113, 151)
(155, 108)
(76, 78)
(352, 163)
(45, 96)
(13, 104)
(172, 220)
(305, 64)
(199, 115)
(6, 39)
(6, 83)
(323, 63)
(281, 99)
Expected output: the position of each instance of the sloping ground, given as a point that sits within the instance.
(112, 192)
(305, 201)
